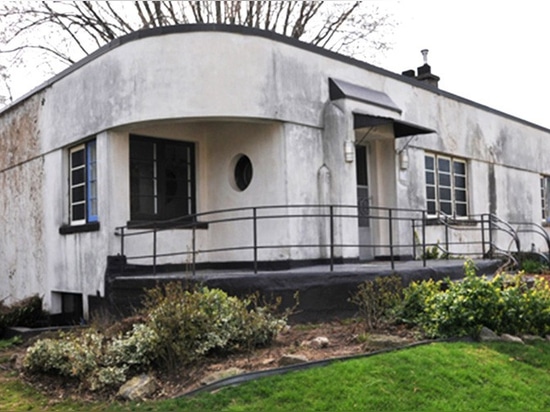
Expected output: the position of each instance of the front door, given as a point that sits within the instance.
(363, 203)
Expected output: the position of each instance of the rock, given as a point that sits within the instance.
(375, 341)
(219, 375)
(138, 388)
(319, 342)
(286, 360)
(531, 338)
(487, 335)
(510, 338)
(16, 361)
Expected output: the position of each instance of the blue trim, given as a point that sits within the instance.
(91, 164)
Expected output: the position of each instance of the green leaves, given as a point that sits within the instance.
(503, 303)
(192, 324)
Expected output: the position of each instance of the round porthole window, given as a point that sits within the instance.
(243, 172)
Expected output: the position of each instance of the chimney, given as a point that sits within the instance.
(424, 72)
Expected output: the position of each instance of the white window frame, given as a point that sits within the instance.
(444, 180)
(545, 198)
(83, 184)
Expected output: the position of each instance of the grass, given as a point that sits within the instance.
(437, 377)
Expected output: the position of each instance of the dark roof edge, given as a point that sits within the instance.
(226, 28)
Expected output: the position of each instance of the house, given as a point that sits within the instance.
(226, 146)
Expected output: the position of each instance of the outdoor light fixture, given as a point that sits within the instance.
(349, 151)
(404, 159)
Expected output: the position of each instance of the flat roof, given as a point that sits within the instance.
(226, 28)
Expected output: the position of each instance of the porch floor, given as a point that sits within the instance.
(323, 295)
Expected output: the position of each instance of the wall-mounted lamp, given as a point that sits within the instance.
(404, 160)
(349, 151)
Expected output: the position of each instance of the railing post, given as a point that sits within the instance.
(414, 239)
(255, 238)
(424, 238)
(391, 238)
(194, 251)
(447, 236)
(121, 241)
(155, 249)
(331, 238)
(483, 236)
(490, 255)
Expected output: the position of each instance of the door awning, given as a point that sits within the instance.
(339, 89)
(400, 127)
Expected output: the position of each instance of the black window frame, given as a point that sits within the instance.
(158, 164)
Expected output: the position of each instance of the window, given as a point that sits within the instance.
(446, 190)
(162, 179)
(83, 183)
(361, 164)
(544, 198)
(243, 172)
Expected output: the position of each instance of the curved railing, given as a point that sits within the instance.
(397, 232)
(330, 216)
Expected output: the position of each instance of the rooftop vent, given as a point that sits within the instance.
(424, 72)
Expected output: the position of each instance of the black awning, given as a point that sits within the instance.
(339, 89)
(400, 128)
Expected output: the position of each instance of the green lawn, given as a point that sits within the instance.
(436, 377)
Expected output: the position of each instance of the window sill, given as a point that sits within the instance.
(166, 225)
(454, 222)
(88, 227)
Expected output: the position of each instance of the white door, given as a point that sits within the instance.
(366, 251)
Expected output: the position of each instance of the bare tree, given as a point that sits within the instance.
(59, 33)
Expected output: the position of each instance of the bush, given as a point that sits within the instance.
(177, 326)
(415, 298)
(26, 312)
(505, 304)
(72, 355)
(192, 324)
(378, 300)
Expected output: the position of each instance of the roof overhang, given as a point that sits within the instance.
(400, 127)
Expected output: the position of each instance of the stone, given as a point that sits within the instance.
(532, 338)
(138, 388)
(487, 335)
(374, 341)
(288, 359)
(511, 338)
(219, 375)
(319, 342)
(16, 361)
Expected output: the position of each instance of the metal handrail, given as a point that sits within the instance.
(490, 224)
(256, 214)
(532, 227)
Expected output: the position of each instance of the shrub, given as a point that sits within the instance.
(378, 300)
(533, 266)
(505, 304)
(26, 312)
(416, 297)
(192, 324)
(71, 355)
(180, 327)
(91, 358)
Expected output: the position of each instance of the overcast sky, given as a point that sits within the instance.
(493, 52)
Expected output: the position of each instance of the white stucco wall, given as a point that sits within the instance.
(249, 95)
